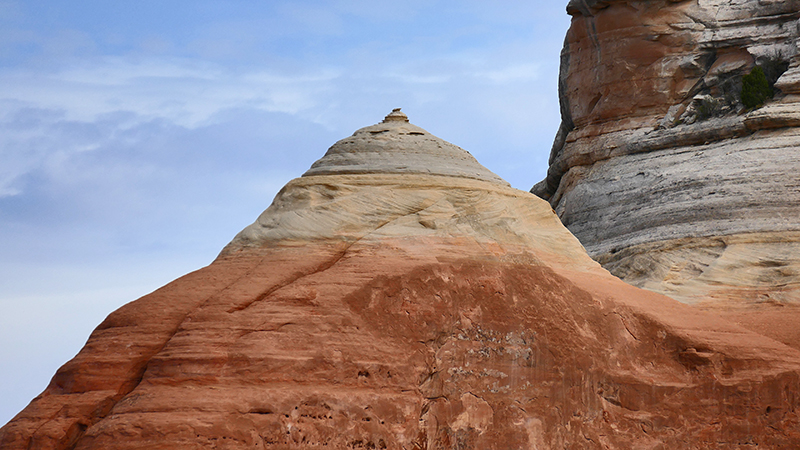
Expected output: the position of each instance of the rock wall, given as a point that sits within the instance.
(664, 170)
(398, 308)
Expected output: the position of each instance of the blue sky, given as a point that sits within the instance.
(137, 138)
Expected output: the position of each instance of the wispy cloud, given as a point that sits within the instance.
(39, 105)
(186, 92)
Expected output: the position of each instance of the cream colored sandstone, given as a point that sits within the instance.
(667, 192)
(397, 146)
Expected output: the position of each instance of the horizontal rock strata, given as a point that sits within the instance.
(413, 311)
(397, 146)
(659, 168)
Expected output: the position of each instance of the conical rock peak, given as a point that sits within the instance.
(397, 146)
(403, 310)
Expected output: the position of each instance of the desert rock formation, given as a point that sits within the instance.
(395, 307)
(660, 168)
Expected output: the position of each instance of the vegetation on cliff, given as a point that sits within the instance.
(755, 88)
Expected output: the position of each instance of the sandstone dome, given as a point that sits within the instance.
(397, 179)
(397, 146)
(431, 309)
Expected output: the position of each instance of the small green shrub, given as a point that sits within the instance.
(755, 88)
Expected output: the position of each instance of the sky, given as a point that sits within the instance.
(137, 138)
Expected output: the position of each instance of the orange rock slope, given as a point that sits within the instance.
(412, 308)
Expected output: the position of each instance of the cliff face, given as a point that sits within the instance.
(382, 304)
(666, 169)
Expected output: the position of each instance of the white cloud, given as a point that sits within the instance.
(185, 92)
(191, 93)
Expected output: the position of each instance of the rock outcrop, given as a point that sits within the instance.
(403, 307)
(666, 170)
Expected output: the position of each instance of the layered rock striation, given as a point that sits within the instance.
(666, 170)
(388, 306)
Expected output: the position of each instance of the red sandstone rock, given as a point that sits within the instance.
(413, 311)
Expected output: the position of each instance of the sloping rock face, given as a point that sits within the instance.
(406, 310)
(662, 169)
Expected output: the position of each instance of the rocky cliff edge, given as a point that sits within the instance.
(677, 159)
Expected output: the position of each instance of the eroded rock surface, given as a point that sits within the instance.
(397, 146)
(413, 311)
(662, 171)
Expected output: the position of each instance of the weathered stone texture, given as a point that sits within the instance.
(397, 146)
(659, 169)
(413, 311)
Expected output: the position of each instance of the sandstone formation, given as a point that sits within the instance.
(397, 307)
(662, 170)
(397, 146)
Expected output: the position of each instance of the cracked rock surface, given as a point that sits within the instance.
(662, 172)
(392, 310)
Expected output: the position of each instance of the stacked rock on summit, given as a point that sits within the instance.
(667, 170)
(412, 307)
